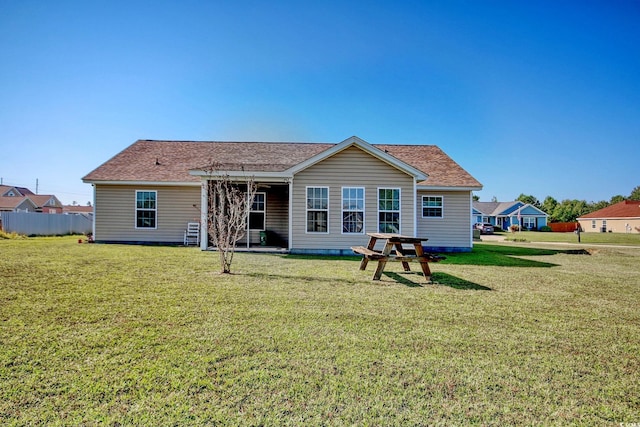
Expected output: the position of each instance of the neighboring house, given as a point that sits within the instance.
(622, 217)
(10, 191)
(502, 215)
(17, 204)
(47, 203)
(16, 199)
(17, 196)
(312, 197)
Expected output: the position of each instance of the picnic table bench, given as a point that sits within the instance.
(405, 256)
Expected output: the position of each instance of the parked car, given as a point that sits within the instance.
(484, 228)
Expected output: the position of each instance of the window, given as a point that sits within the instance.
(593, 223)
(529, 222)
(257, 212)
(317, 209)
(389, 210)
(353, 210)
(146, 209)
(432, 207)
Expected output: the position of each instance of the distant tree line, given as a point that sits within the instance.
(569, 210)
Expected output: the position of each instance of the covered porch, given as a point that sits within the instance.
(267, 223)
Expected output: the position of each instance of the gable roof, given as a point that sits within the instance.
(41, 200)
(22, 191)
(624, 209)
(494, 208)
(170, 161)
(13, 202)
(505, 208)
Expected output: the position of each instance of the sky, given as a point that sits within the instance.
(530, 97)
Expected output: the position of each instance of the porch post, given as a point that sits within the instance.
(204, 208)
(290, 239)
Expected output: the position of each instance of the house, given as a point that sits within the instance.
(621, 217)
(16, 199)
(20, 199)
(502, 215)
(312, 197)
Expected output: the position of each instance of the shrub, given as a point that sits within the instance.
(545, 228)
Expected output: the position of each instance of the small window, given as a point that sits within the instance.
(389, 210)
(353, 210)
(257, 212)
(317, 209)
(593, 224)
(146, 210)
(432, 207)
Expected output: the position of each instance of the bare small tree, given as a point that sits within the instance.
(229, 206)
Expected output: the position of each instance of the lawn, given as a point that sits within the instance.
(134, 335)
(631, 239)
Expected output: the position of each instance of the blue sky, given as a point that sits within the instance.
(541, 98)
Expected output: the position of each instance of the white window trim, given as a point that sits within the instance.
(399, 207)
(135, 210)
(264, 212)
(306, 209)
(342, 210)
(441, 207)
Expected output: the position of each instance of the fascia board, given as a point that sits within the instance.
(160, 183)
(447, 188)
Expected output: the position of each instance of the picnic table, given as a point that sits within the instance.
(401, 254)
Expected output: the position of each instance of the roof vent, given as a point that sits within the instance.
(157, 161)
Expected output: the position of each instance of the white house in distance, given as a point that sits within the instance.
(319, 198)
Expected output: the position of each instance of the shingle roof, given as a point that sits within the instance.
(624, 209)
(170, 161)
(492, 208)
(13, 202)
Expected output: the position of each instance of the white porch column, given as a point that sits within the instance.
(290, 239)
(204, 208)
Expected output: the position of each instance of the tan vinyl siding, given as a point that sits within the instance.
(115, 213)
(453, 230)
(349, 168)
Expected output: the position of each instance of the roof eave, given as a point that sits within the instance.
(163, 183)
(448, 187)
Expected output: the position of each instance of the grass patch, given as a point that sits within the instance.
(585, 238)
(133, 335)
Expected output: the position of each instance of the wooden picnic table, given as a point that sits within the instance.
(401, 255)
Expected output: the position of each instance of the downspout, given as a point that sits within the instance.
(290, 239)
(470, 228)
(95, 212)
(415, 208)
(204, 218)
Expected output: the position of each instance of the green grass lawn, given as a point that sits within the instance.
(133, 335)
(585, 238)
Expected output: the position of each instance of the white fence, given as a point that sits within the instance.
(43, 224)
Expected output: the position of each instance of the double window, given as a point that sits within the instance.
(353, 210)
(432, 207)
(317, 209)
(146, 209)
(389, 210)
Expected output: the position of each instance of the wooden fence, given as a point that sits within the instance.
(563, 227)
(42, 224)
